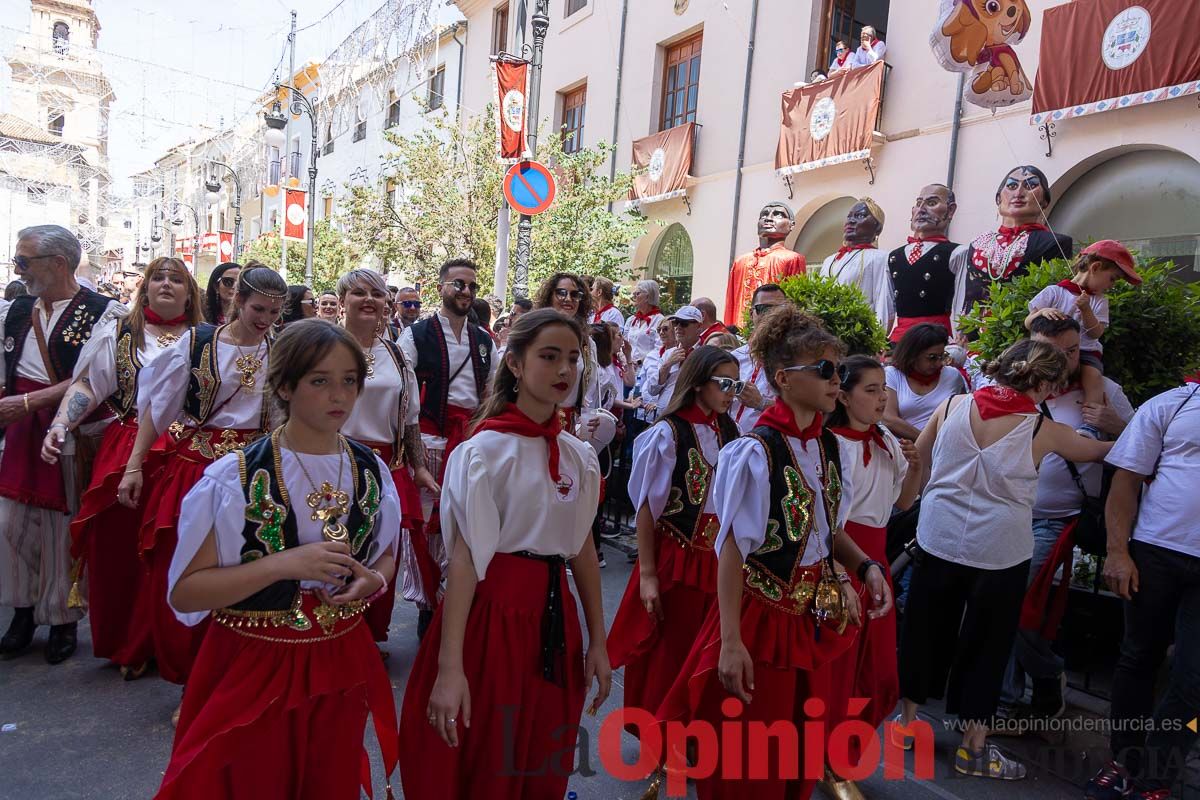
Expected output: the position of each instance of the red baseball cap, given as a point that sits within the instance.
(1115, 252)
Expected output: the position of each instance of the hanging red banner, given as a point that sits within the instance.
(183, 246)
(294, 214)
(225, 248)
(511, 81)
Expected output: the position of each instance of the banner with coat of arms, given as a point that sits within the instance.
(510, 80)
(662, 163)
(830, 122)
(1112, 54)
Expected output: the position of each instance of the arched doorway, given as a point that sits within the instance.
(821, 235)
(671, 266)
(1148, 199)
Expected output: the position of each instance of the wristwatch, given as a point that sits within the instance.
(866, 565)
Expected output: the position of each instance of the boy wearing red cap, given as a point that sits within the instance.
(1083, 298)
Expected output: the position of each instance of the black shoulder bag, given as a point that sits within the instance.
(1091, 532)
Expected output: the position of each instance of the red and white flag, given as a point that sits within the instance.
(184, 246)
(294, 215)
(511, 81)
(225, 248)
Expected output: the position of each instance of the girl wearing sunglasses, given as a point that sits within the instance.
(783, 609)
(674, 583)
(567, 294)
(218, 297)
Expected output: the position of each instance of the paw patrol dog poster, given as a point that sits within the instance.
(978, 37)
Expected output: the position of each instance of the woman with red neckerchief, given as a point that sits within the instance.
(975, 544)
(641, 328)
(1023, 239)
(919, 378)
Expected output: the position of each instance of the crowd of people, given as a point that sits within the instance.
(235, 483)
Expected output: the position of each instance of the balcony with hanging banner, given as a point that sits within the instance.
(662, 165)
(1112, 54)
(831, 122)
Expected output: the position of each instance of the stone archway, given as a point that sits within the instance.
(671, 264)
(821, 234)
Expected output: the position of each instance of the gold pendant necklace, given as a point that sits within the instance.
(248, 364)
(166, 339)
(370, 357)
(327, 502)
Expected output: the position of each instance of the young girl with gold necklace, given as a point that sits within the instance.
(286, 543)
(208, 391)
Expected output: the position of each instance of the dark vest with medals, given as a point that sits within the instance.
(691, 483)
(1039, 247)
(434, 371)
(204, 381)
(128, 359)
(926, 288)
(63, 342)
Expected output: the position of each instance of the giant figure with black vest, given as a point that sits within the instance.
(454, 361)
(922, 281)
(44, 332)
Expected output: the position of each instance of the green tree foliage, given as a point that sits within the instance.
(1153, 339)
(331, 256)
(843, 309)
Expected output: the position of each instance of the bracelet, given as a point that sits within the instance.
(844, 577)
(132, 471)
(25, 397)
(62, 425)
(381, 590)
(866, 565)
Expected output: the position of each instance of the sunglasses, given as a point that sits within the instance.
(824, 368)
(762, 308)
(411, 303)
(461, 286)
(840, 49)
(729, 384)
(934, 358)
(572, 294)
(227, 282)
(22, 262)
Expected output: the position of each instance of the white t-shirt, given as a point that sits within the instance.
(876, 485)
(1169, 515)
(389, 400)
(642, 336)
(1064, 301)
(916, 409)
(610, 314)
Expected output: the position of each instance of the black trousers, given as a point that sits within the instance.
(1165, 606)
(959, 626)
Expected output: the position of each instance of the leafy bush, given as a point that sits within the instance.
(843, 309)
(1152, 341)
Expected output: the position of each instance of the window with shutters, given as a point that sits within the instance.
(681, 83)
(573, 107)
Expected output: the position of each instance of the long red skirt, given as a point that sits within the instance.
(104, 536)
(175, 644)
(272, 712)
(867, 670)
(379, 615)
(791, 665)
(653, 652)
(521, 743)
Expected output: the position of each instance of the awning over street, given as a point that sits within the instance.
(830, 122)
(662, 164)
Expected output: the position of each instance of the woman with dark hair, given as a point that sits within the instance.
(501, 675)
(207, 390)
(218, 297)
(568, 294)
(783, 568)
(919, 378)
(104, 533)
(981, 454)
(300, 305)
(674, 582)
(279, 696)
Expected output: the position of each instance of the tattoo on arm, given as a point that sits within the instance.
(414, 449)
(77, 406)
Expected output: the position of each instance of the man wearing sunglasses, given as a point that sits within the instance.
(757, 394)
(454, 361)
(408, 306)
(770, 262)
(44, 333)
(687, 322)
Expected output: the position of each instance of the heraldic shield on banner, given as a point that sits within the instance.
(830, 122)
(1112, 54)
(662, 164)
(510, 79)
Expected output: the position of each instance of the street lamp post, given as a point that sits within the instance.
(213, 186)
(541, 24)
(176, 222)
(276, 122)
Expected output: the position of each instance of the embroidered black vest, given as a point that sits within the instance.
(434, 369)
(63, 342)
(792, 515)
(926, 288)
(271, 518)
(398, 443)
(128, 359)
(1042, 245)
(204, 381)
(691, 481)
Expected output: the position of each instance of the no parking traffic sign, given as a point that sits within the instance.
(529, 187)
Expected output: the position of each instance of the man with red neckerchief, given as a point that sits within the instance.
(923, 284)
(860, 263)
(770, 262)
(709, 323)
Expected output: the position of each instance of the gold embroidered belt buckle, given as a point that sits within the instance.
(212, 445)
(795, 599)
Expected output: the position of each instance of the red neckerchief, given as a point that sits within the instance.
(616, 362)
(716, 327)
(662, 350)
(841, 60)
(998, 401)
(871, 434)
(601, 311)
(1193, 378)
(849, 248)
(915, 239)
(924, 380)
(694, 415)
(1005, 234)
(155, 319)
(781, 418)
(1074, 386)
(1071, 286)
(513, 420)
(647, 318)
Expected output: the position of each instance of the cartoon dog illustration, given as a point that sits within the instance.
(981, 34)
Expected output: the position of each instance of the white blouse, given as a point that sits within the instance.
(217, 505)
(743, 494)
(642, 336)
(916, 409)
(876, 486)
(498, 496)
(163, 384)
(654, 453)
(588, 365)
(98, 359)
(377, 413)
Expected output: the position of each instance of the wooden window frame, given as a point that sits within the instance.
(571, 7)
(500, 21)
(689, 51)
(574, 101)
(437, 88)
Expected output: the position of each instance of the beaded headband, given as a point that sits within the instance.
(265, 293)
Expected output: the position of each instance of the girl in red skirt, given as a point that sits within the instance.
(495, 696)
(287, 542)
(674, 582)
(104, 534)
(386, 417)
(782, 614)
(208, 391)
(885, 473)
